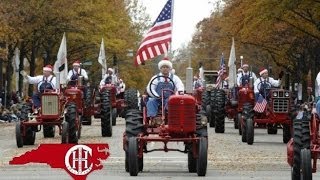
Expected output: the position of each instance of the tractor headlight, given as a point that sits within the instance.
(204, 120)
(275, 94)
(286, 94)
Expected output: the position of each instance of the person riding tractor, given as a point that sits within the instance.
(109, 78)
(162, 82)
(45, 81)
(264, 83)
(244, 75)
(76, 72)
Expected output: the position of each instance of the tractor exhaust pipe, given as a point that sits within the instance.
(189, 80)
(251, 82)
(80, 81)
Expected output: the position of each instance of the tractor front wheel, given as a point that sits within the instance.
(48, 131)
(272, 129)
(71, 117)
(239, 123)
(250, 131)
(202, 160)
(19, 138)
(86, 120)
(192, 162)
(64, 133)
(133, 159)
(306, 168)
(106, 115)
(114, 116)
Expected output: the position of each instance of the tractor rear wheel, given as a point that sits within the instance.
(286, 136)
(88, 97)
(202, 160)
(19, 138)
(133, 156)
(134, 124)
(131, 99)
(306, 168)
(239, 123)
(126, 159)
(71, 117)
(114, 116)
(219, 110)
(297, 144)
(272, 129)
(106, 115)
(49, 131)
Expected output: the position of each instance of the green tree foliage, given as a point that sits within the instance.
(284, 34)
(37, 26)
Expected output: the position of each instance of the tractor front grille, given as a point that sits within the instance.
(181, 118)
(50, 105)
(281, 105)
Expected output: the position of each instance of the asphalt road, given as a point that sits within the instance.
(228, 157)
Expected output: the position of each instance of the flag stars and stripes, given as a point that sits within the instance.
(158, 38)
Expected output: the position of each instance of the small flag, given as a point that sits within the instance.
(102, 59)
(221, 72)
(261, 104)
(156, 41)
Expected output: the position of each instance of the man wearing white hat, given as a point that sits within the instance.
(244, 75)
(265, 82)
(45, 81)
(109, 78)
(76, 72)
(155, 89)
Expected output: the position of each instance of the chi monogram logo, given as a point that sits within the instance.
(76, 160)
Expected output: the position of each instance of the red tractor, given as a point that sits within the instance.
(182, 121)
(236, 99)
(303, 150)
(277, 114)
(50, 114)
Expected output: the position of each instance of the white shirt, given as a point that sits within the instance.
(40, 79)
(113, 81)
(239, 77)
(176, 80)
(273, 82)
(317, 85)
(83, 73)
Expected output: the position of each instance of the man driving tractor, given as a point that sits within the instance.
(244, 75)
(264, 83)
(45, 81)
(109, 78)
(76, 72)
(162, 81)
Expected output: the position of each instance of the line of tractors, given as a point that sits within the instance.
(68, 108)
(184, 120)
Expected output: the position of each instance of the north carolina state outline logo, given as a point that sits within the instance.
(78, 155)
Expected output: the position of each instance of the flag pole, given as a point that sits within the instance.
(172, 10)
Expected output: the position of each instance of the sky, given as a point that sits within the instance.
(187, 13)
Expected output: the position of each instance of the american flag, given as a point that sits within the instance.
(158, 38)
(260, 104)
(221, 72)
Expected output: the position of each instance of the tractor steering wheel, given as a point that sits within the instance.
(154, 84)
